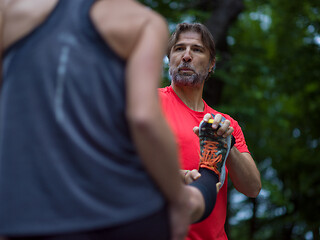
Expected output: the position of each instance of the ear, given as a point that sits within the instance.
(212, 66)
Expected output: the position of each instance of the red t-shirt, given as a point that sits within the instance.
(182, 120)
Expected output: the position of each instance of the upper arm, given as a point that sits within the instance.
(139, 36)
(120, 23)
(241, 144)
(145, 66)
(21, 17)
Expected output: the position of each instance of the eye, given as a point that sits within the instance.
(179, 49)
(197, 50)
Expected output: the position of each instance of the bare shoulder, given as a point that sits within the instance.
(20, 17)
(122, 23)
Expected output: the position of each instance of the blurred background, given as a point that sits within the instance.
(268, 79)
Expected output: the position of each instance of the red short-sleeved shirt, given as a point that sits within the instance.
(182, 120)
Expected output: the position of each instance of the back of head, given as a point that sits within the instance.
(206, 36)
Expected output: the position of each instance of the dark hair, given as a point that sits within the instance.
(206, 37)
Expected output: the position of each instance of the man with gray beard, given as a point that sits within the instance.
(191, 52)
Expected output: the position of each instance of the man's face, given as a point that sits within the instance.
(189, 60)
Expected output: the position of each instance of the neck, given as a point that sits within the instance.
(191, 96)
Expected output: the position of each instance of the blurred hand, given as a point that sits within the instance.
(180, 215)
(189, 176)
(197, 203)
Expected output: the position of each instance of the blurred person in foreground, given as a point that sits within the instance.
(84, 147)
(191, 53)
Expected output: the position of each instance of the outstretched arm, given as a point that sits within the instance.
(140, 36)
(152, 136)
(154, 140)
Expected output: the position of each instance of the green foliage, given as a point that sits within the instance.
(178, 11)
(274, 75)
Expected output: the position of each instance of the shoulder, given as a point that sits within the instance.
(237, 133)
(165, 93)
(234, 123)
(121, 23)
(164, 90)
(21, 17)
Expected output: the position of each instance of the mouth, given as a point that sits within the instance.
(186, 70)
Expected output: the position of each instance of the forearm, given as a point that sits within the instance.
(197, 203)
(244, 173)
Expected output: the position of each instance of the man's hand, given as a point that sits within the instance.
(224, 130)
(189, 176)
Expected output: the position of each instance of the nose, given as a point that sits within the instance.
(187, 56)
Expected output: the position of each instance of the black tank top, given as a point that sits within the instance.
(67, 160)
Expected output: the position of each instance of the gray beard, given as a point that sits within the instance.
(195, 79)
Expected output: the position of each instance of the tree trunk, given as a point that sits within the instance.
(253, 220)
(316, 233)
(224, 13)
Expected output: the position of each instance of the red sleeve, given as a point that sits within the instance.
(238, 135)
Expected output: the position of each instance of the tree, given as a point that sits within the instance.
(276, 66)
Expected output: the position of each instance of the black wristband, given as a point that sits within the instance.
(207, 186)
